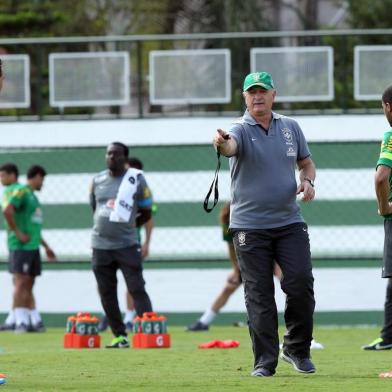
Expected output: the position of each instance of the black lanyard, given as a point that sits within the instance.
(214, 186)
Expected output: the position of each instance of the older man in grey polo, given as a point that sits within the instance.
(264, 149)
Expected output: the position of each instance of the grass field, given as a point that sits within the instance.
(37, 362)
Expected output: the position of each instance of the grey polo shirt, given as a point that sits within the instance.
(115, 235)
(263, 184)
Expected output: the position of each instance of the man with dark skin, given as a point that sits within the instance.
(148, 226)
(383, 188)
(121, 201)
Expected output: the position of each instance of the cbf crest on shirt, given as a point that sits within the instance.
(287, 135)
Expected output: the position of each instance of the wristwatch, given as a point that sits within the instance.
(310, 181)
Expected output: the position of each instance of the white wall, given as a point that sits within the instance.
(172, 131)
(193, 290)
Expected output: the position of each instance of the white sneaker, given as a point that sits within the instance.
(313, 346)
(316, 345)
(21, 328)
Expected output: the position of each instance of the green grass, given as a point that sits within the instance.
(37, 362)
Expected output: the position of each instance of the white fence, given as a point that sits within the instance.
(301, 74)
(372, 71)
(190, 76)
(185, 77)
(16, 86)
(89, 79)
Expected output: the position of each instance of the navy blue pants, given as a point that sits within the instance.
(257, 250)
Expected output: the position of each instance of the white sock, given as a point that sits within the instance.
(207, 317)
(129, 316)
(35, 317)
(10, 318)
(22, 316)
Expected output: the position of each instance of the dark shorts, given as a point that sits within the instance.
(26, 262)
(387, 268)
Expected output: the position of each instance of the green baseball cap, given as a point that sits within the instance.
(262, 79)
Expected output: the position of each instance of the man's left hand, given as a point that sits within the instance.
(145, 250)
(307, 189)
(50, 254)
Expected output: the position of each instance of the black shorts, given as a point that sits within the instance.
(26, 262)
(387, 268)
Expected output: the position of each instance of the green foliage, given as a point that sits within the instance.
(370, 14)
(363, 14)
(29, 18)
(51, 18)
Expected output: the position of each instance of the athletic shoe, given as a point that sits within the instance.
(21, 328)
(316, 345)
(300, 364)
(129, 326)
(197, 326)
(378, 344)
(262, 372)
(7, 327)
(103, 324)
(39, 327)
(119, 342)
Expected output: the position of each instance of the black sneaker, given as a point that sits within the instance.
(39, 327)
(103, 324)
(119, 342)
(300, 364)
(7, 327)
(262, 372)
(197, 326)
(378, 344)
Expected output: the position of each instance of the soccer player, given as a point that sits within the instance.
(130, 312)
(145, 247)
(117, 195)
(233, 280)
(383, 188)
(2, 376)
(23, 215)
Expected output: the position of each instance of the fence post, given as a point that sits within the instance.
(343, 74)
(139, 53)
(38, 95)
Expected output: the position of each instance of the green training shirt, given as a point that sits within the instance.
(386, 160)
(28, 216)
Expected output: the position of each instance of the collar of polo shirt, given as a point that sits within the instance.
(251, 121)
